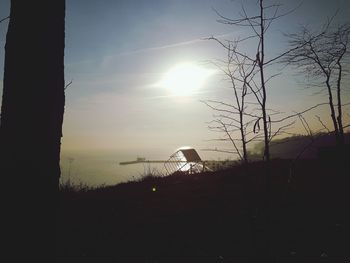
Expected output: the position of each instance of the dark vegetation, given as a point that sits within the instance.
(213, 217)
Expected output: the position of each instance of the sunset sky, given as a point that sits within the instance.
(120, 55)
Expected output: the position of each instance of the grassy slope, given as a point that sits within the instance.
(211, 217)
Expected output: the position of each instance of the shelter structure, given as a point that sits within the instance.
(185, 160)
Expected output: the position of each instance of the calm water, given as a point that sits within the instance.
(97, 168)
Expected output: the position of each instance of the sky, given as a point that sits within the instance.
(118, 53)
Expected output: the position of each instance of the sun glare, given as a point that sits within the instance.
(185, 79)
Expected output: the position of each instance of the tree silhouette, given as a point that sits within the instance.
(260, 61)
(323, 57)
(31, 125)
(235, 119)
(259, 77)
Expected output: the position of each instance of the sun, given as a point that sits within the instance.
(185, 79)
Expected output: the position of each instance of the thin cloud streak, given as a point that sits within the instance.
(179, 44)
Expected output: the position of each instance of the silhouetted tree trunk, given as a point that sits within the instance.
(31, 125)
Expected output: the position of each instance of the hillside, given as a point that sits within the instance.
(291, 147)
(211, 217)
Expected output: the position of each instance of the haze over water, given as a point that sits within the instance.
(99, 167)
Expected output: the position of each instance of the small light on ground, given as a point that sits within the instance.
(154, 189)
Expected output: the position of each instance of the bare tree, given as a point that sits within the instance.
(235, 119)
(323, 58)
(259, 77)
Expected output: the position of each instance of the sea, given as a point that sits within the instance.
(101, 168)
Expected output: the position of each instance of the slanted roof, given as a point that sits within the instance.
(191, 155)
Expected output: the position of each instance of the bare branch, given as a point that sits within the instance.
(226, 47)
(3, 19)
(68, 84)
(280, 130)
(299, 113)
(324, 126)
